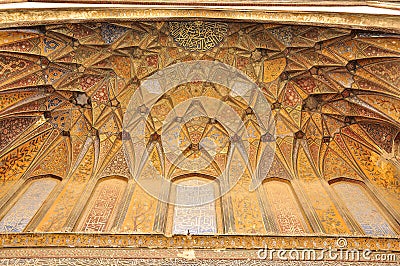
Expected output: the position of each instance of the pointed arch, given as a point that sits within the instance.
(27, 202)
(102, 207)
(365, 209)
(184, 215)
(284, 204)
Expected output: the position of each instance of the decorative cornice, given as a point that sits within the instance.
(21, 14)
(159, 241)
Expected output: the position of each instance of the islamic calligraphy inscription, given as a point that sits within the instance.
(198, 35)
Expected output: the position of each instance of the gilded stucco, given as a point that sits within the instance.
(64, 89)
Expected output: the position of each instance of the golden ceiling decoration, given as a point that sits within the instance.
(334, 95)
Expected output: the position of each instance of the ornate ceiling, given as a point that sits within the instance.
(334, 95)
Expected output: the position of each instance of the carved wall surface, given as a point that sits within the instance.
(357, 201)
(334, 95)
(288, 214)
(198, 219)
(103, 206)
(21, 213)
